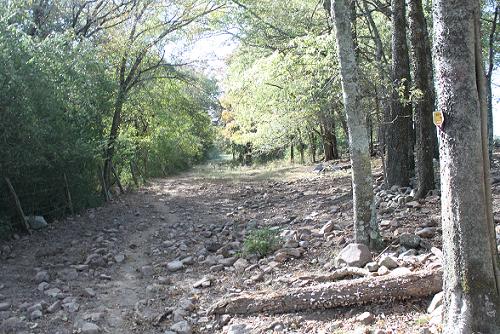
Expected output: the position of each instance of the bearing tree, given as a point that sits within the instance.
(365, 222)
(471, 276)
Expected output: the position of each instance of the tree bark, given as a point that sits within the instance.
(471, 276)
(336, 294)
(491, 60)
(424, 106)
(365, 221)
(399, 131)
(113, 135)
(312, 144)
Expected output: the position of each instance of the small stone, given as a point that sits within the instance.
(90, 328)
(203, 283)
(304, 243)
(37, 314)
(383, 271)
(182, 327)
(164, 280)
(241, 264)
(42, 276)
(35, 307)
(12, 325)
(81, 267)
(217, 267)
(388, 261)
(43, 286)
(227, 262)
(365, 318)
(291, 244)
(37, 222)
(56, 306)
(175, 266)
(186, 304)
(327, 228)
(409, 240)
(5, 306)
(372, 266)
(238, 329)
(354, 255)
(68, 275)
(147, 271)
(437, 301)
(413, 204)
(427, 232)
(119, 258)
(400, 271)
(89, 292)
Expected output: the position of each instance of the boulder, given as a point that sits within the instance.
(353, 255)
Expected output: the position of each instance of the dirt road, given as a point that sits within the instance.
(155, 260)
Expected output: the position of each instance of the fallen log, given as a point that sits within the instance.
(330, 295)
(335, 275)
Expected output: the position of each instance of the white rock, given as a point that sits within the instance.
(42, 276)
(241, 264)
(388, 261)
(90, 328)
(365, 318)
(354, 255)
(175, 266)
(436, 302)
(182, 327)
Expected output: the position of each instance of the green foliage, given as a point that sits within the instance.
(57, 99)
(261, 242)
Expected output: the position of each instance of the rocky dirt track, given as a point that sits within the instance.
(154, 261)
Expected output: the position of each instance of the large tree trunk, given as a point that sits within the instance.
(471, 276)
(399, 131)
(365, 221)
(331, 295)
(424, 106)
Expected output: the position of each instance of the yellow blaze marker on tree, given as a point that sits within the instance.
(438, 118)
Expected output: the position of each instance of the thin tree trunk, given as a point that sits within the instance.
(312, 143)
(292, 155)
(422, 69)
(399, 138)
(113, 135)
(365, 221)
(471, 276)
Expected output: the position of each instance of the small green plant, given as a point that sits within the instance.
(261, 242)
(422, 321)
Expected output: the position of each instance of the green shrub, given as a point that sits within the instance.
(261, 242)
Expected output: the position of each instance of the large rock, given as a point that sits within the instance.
(353, 255)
